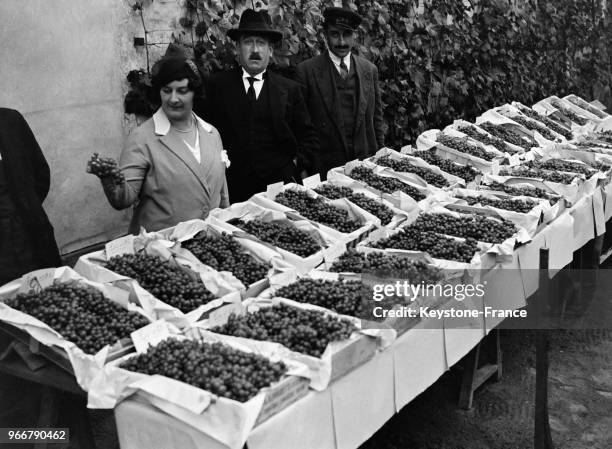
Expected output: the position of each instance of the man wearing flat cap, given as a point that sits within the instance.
(262, 117)
(342, 93)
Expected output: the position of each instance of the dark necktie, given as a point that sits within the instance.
(344, 73)
(251, 91)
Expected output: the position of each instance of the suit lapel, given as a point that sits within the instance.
(178, 147)
(364, 81)
(327, 88)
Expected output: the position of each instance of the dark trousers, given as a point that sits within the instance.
(244, 182)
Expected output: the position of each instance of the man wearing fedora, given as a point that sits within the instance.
(261, 116)
(342, 93)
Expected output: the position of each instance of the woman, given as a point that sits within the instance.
(173, 164)
(27, 242)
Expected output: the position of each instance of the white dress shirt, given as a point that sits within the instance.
(336, 60)
(257, 84)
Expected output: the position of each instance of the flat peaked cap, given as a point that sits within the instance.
(342, 18)
(256, 23)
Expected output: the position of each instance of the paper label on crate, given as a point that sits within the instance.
(151, 334)
(312, 181)
(37, 280)
(124, 245)
(494, 167)
(220, 316)
(274, 189)
(333, 252)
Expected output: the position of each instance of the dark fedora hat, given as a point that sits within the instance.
(342, 18)
(257, 23)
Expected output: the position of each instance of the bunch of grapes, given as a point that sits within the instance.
(569, 113)
(561, 165)
(376, 208)
(547, 175)
(163, 280)
(81, 314)
(301, 330)
(283, 236)
(512, 204)
(534, 192)
(535, 126)
(318, 210)
(224, 253)
(508, 135)
(439, 246)
(472, 132)
(430, 176)
(214, 367)
(466, 172)
(104, 167)
(556, 127)
(468, 226)
(384, 183)
(462, 144)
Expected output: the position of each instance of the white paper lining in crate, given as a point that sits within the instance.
(528, 221)
(366, 219)
(533, 138)
(573, 153)
(224, 286)
(513, 158)
(399, 216)
(321, 370)
(251, 211)
(585, 105)
(85, 366)
(509, 111)
(397, 156)
(545, 107)
(189, 229)
(452, 265)
(398, 199)
(549, 214)
(574, 108)
(225, 420)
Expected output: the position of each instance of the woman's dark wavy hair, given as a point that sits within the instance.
(175, 68)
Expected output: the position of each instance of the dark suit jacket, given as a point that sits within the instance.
(296, 138)
(28, 177)
(316, 77)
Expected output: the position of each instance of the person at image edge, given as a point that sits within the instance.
(261, 116)
(342, 93)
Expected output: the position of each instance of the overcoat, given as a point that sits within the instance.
(317, 80)
(164, 181)
(28, 180)
(296, 138)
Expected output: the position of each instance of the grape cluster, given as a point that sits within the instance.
(534, 192)
(163, 280)
(376, 208)
(104, 167)
(556, 127)
(508, 135)
(588, 107)
(414, 270)
(513, 204)
(224, 253)
(547, 175)
(317, 209)
(468, 226)
(301, 330)
(606, 136)
(384, 183)
(535, 126)
(466, 172)
(569, 113)
(82, 315)
(430, 176)
(472, 132)
(214, 367)
(462, 144)
(283, 236)
(561, 165)
(439, 246)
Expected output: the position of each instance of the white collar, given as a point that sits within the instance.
(162, 123)
(336, 60)
(258, 77)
